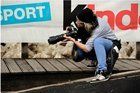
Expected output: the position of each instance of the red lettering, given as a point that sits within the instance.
(133, 14)
(118, 18)
(110, 15)
(91, 6)
(139, 20)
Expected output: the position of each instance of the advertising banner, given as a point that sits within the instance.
(37, 20)
(32, 21)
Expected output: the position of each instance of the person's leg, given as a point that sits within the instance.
(113, 55)
(102, 47)
(92, 57)
(79, 56)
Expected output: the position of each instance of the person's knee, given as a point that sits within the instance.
(97, 41)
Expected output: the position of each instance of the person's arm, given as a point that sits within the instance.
(80, 45)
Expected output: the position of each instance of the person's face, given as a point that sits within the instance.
(79, 23)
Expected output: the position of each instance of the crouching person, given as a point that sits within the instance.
(100, 40)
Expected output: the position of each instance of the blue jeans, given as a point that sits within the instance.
(102, 47)
(100, 51)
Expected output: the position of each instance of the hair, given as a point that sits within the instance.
(88, 16)
(89, 27)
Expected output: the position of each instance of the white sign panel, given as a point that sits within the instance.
(36, 20)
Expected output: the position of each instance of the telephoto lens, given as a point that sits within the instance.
(57, 38)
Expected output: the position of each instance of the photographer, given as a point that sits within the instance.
(100, 40)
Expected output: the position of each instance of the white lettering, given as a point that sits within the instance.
(19, 13)
(7, 13)
(30, 11)
(40, 8)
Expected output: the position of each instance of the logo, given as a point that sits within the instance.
(25, 13)
(112, 18)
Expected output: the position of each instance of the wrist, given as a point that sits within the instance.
(74, 41)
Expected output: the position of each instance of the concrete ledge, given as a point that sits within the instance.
(125, 82)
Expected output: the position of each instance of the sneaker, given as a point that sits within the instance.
(104, 75)
(101, 76)
(95, 77)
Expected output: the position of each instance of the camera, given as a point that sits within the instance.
(72, 31)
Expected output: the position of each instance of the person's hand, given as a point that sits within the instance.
(69, 38)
